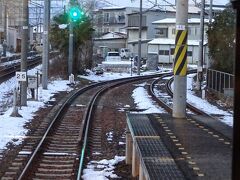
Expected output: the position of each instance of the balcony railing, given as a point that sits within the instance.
(133, 21)
(114, 20)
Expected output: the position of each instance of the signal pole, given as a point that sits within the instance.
(180, 60)
(70, 42)
(75, 14)
(24, 48)
(70, 53)
(45, 58)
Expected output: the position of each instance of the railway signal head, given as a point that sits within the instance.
(75, 13)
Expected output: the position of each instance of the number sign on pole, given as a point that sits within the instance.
(21, 76)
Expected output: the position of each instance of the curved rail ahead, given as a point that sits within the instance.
(190, 106)
(170, 93)
(154, 96)
(87, 116)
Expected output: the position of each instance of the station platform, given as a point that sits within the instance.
(162, 147)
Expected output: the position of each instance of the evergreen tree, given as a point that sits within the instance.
(82, 30)
(221, 41)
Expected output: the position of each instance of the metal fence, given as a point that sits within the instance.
(219, 81)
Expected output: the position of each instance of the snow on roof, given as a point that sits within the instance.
(113, 7)
(112, 35)
(168, 41)
(191, 9)
(173, 21)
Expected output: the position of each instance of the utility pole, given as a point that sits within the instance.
(5, 22)
(236, 122)
(4, 43)
(45, 58)
(180, 60)
(139, 40)
(24, 48)
(200, 53)
(210, 11)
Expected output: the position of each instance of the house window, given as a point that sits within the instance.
(172, 51)
(121, 18)
(106, 17)
(189, 53)
(164, 52)
(189, 31)
(106, 30)
(162, 32)
(196, 31)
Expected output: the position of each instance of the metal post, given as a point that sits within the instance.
(236, 122)
(70, 53)
(139, 40)
(210, 12)
(5, 32)
(5, 22)
(45, 58)
(200, 53)
(37, 85)
(131, 64)
(180, 60)
(24, 48)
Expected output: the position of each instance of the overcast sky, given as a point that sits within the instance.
(147, 3)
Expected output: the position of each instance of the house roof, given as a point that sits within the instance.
(113, 8)
(112, 35)
(173, 21)
(167, 41)
(191, 9)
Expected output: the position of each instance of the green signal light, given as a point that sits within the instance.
(75, 13)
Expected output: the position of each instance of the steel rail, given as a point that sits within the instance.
(154, 96)
(169, 91)
(5, 73)
(67, 103)
(89, 113)
(189, 106)
(57, 116)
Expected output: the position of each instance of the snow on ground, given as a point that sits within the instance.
(225, 116)
(12, 129)
(106, 76)
(144, 102)
(100, 170)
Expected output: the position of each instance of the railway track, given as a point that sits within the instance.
(166, 101)
(57, 148)
(7, 71)
(205, 121)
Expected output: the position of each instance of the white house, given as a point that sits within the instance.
(110, 41)
(164, 48)
(164, 43)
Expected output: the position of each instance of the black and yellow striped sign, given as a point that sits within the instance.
(180, 53)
